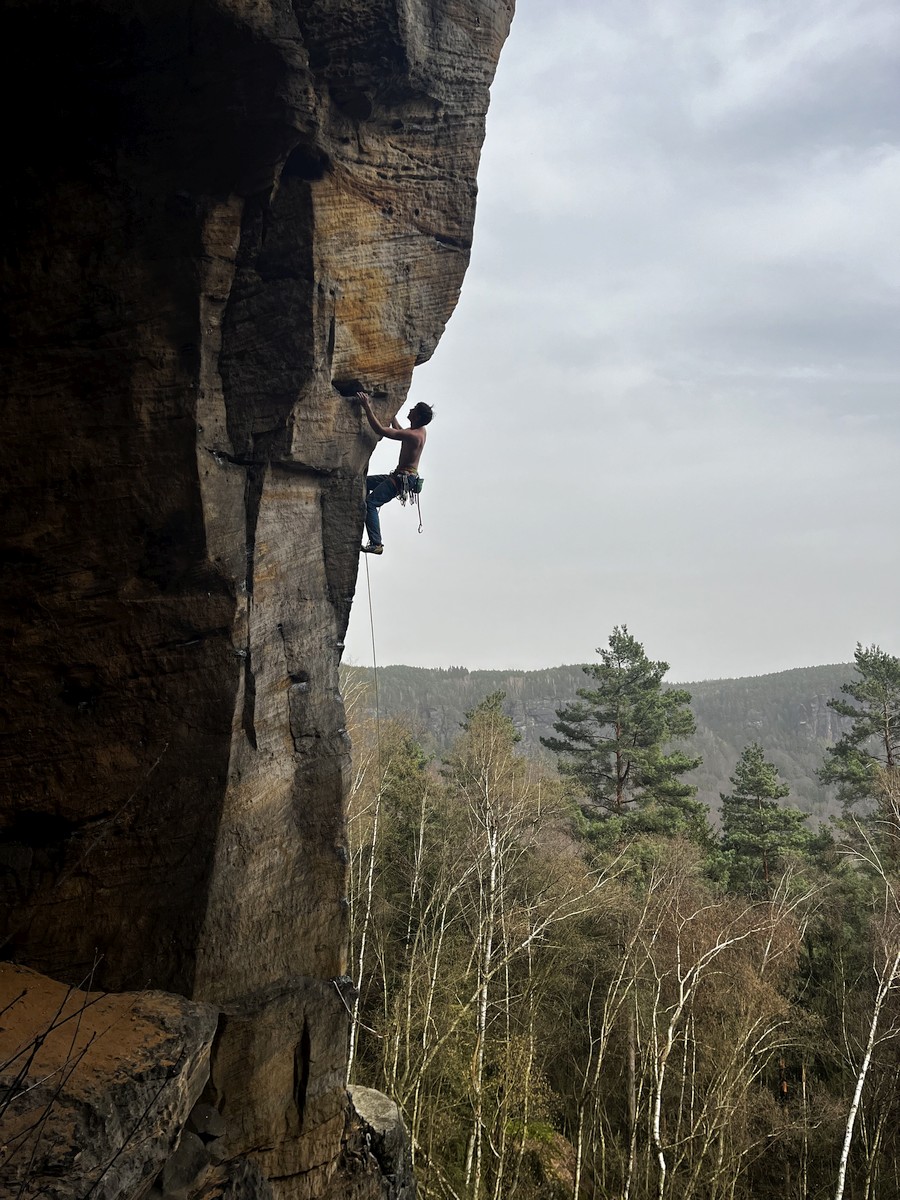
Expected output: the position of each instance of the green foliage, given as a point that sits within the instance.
(759, 834)
(613, 742)
(787, 713)
(871, 741)
(488, 715)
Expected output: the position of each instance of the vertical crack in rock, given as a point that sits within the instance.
(302, 1066)
(252, 498)
(248, 708)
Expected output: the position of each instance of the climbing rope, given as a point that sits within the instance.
(374, 663)
(353, 1012)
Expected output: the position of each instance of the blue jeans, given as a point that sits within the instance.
(379, 490)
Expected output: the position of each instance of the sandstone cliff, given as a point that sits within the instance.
(215, 212)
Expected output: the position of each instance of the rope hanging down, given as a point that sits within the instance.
(374, 663)
(410, 495)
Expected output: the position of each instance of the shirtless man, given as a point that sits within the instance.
(382, 488)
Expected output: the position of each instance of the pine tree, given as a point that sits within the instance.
(758, 832)
(613, 741)
(871, 742)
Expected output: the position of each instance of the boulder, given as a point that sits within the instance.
(375, 1161)
(95, 1087)
(387, 1140)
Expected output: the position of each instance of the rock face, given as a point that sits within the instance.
(217, 212)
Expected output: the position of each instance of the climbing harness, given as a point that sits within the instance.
(409, 487)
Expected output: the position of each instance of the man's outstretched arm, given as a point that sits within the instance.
(392, 431)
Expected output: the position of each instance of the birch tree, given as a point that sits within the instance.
(885, 966)
(476, 879)
(520, 894)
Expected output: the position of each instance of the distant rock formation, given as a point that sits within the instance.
(213, 214)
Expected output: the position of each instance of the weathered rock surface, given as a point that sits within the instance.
(238, 1180)
(375, 1161)
(94, 1088)
(213, 212)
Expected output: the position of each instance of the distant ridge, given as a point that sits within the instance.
(785, 711)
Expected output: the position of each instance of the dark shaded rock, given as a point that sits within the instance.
(243, 202)
(206, 1121)
(238, 1180)
(184, 1170)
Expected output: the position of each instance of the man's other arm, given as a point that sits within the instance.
(392, 431)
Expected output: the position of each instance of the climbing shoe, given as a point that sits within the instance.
(371, 548)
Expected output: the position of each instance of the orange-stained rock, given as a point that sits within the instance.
(94, 1088)
(213, 211)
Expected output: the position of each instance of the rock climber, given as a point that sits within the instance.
(382, 488)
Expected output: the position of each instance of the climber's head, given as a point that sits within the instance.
(420, 414)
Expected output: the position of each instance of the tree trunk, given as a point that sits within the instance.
(885, 982)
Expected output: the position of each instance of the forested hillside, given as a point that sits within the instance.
(575, 989)
(786, 712)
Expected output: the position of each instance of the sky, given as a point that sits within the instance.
(669, 396)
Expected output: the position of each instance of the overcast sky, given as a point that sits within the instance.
(669, 394)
